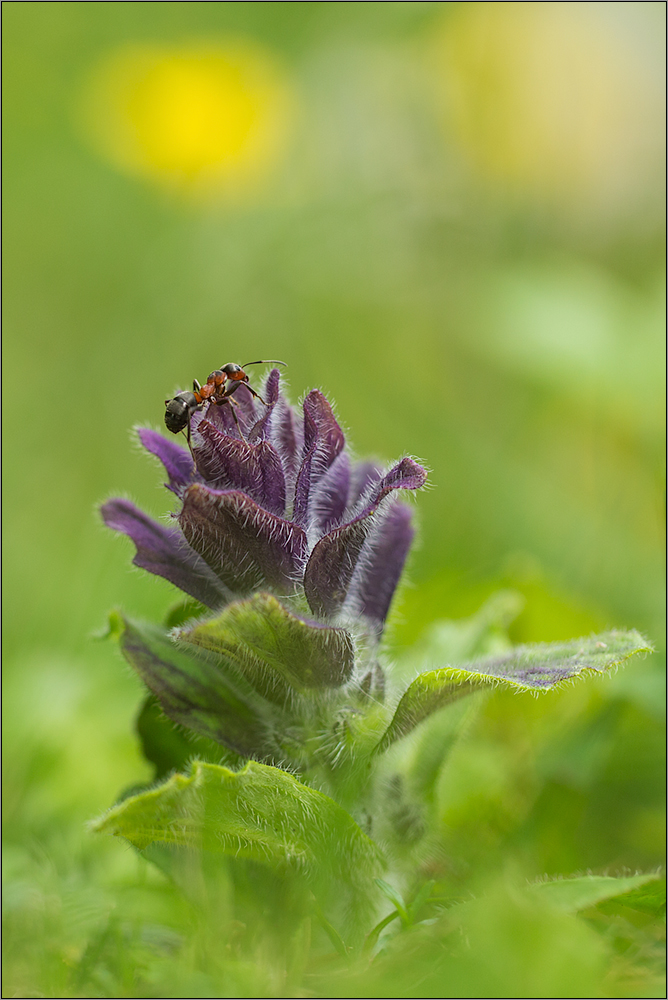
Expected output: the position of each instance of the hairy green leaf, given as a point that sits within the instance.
(535, 668)
(260, 813)
(169, 747)
(483, 634)
(191, 689)
(276, 651)
(573, 894)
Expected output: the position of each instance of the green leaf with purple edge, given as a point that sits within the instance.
(536, 668)
(192, 690)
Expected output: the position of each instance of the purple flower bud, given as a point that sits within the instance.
(272, 501)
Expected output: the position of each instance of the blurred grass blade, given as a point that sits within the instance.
(395, 898)
(372, 937)
(421, 898)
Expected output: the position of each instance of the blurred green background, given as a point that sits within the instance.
(448, 216)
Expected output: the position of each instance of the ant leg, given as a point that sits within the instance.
(188, 430)
(234, 403)
(186, 433)
(190, 447)
(256, 394)
(220, 400)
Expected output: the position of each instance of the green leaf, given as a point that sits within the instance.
(259, 813)
(171, 748)
(180, 613)
(573, 894)
(275, 650)
(648, 898)
(535, 668)
(191, 689)
(483, 634)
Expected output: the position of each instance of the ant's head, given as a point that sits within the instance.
(231, 369)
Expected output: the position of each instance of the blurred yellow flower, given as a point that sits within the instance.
(560, 99)
(206, 120)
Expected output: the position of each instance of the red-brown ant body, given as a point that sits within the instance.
(219, 388)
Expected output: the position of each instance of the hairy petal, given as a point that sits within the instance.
(270, 394)
(332, 564)
(246, 403)
(229, 463)
(329, 498)
(164, 552)
(286, 437)
(246, 547)
(363, 475)
(220, 416)
(381, 565)
(323, 442)
(405, 475)
(177, 461)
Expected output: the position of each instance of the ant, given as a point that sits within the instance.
(179, 410)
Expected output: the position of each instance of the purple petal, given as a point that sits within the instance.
(246, 546)
(329, 440)
(405, 475)
(270, 394)
(177, 461)
(363, 475)
(164, 552)
(220, 416)
(285, 437)
(334, 559)
(382, 562)
(246, 404)
(229, 463)
(332, 565)
(323, 442)
(329, 498)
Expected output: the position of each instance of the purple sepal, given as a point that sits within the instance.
(227, 463)
(246, 546)
(381, 565)
(164, 552)
(334, 558)
(177, 461)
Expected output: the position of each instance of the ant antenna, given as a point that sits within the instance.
(270, 362)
